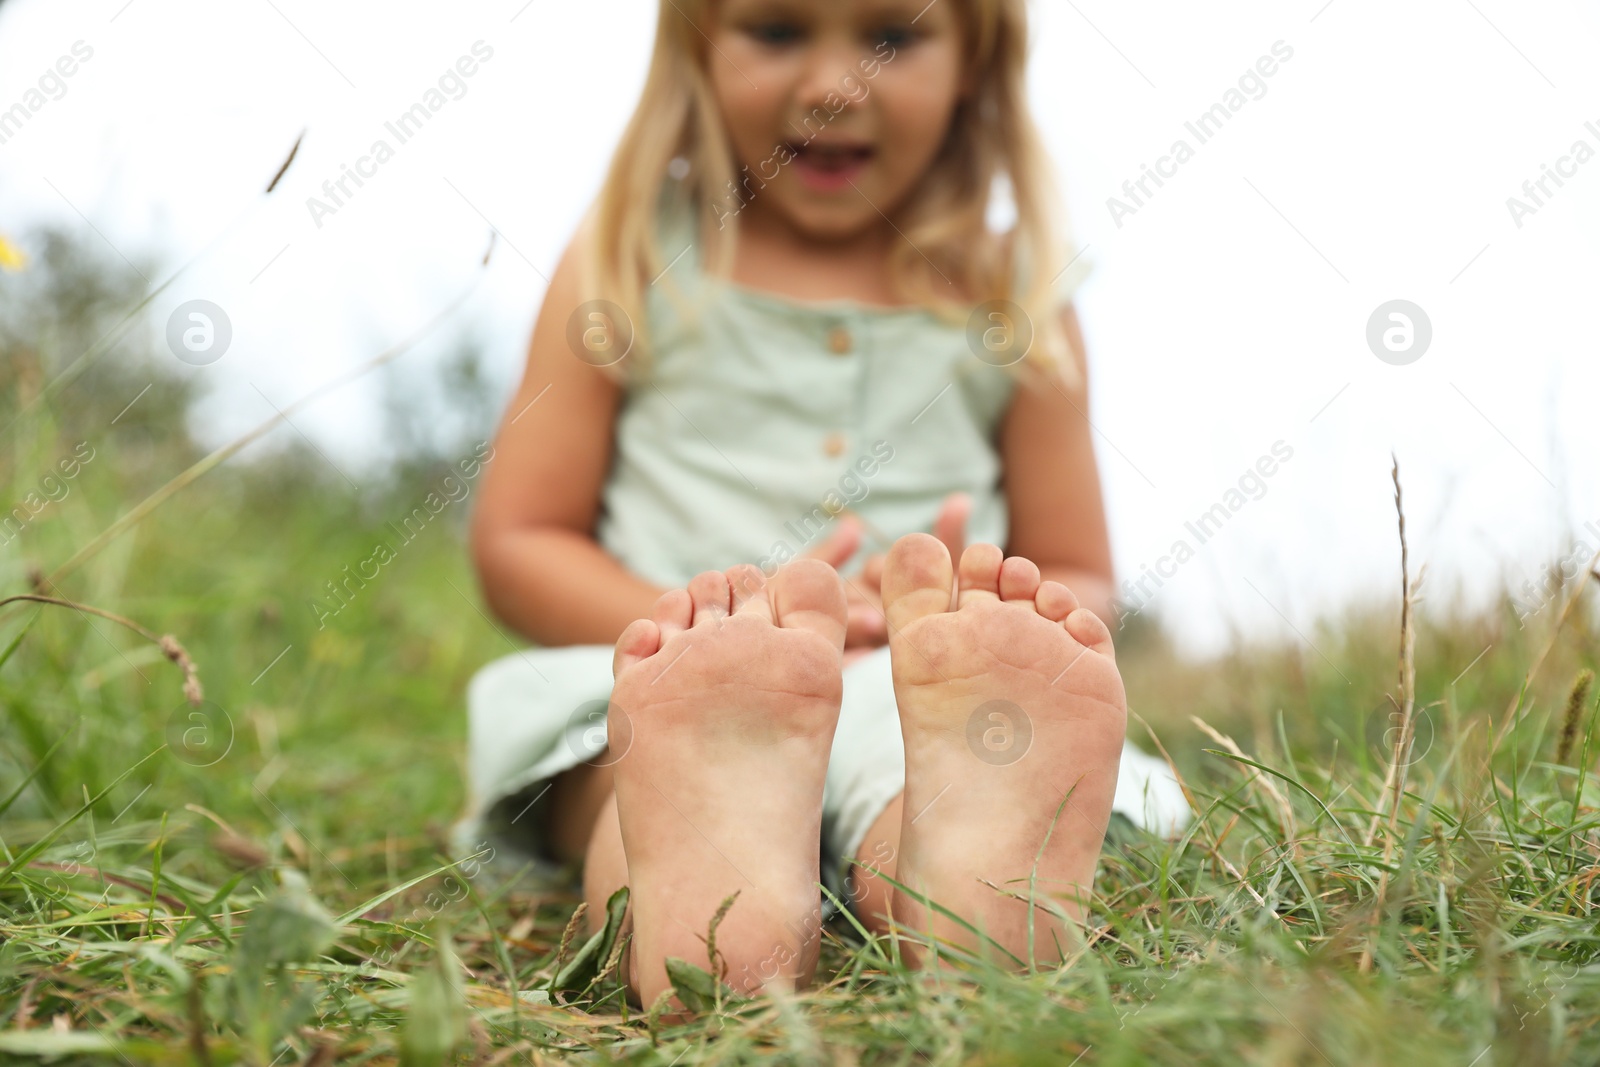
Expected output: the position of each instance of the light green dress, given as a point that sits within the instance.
(761, 416)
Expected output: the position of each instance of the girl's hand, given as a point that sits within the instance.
(950, 527)
(864, 626)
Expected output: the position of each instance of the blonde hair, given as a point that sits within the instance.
(950, 260)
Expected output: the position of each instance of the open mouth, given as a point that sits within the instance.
(832, 166)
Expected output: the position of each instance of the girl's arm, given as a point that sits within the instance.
(1058, 517)
(532, 536)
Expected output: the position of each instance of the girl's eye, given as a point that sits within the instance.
(775, 34)
(894, 36)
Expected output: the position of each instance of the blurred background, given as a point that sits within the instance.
(1228, 311)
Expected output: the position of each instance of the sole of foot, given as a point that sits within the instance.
(1013, 715)
(726, 699)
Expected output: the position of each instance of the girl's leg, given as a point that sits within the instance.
(605, 866)
(871, 896)
(582, 824)
(577, 798)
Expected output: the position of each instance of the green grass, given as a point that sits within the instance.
(291, 902)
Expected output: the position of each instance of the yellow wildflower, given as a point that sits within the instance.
(12, 258)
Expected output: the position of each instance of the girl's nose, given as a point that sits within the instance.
(828, 65)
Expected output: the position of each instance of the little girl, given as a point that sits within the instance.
(784, 343)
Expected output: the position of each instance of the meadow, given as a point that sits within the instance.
(230, 844)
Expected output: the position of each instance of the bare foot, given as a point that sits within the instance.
(1012, 711)
(719, 792)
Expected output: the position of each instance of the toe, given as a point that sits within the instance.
(749, 590)
(711, 596)
(672, 613)
(916, 579)
(808, 595)
(641, 639)
(980, 573)
(1019, 579)
(1089, 630)
(1055, 601)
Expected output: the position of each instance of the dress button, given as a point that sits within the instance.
(839, 341)
(833, 444)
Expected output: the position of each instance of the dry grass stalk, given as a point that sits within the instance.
(1575, 702)
(1394, 782)
(1400, 756)
(293, 151)
(1573, 596)
(573, 924)
(166, 642)
(1254, 777)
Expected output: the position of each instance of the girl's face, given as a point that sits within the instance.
(837, 107)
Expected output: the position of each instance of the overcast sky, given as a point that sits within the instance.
(1227, 313)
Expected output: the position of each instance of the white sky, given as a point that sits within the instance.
(1229, 313)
